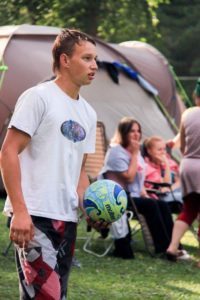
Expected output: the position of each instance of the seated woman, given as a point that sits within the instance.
(162, 169)
(125, 165)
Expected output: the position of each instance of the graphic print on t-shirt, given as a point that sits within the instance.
(73, 131)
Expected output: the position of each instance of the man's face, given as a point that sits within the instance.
(82, 64)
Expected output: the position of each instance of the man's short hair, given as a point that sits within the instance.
(65, 43)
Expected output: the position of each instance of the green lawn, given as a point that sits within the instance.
(111, 278)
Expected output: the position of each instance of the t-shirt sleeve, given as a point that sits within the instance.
(116, 160)
(28, 113)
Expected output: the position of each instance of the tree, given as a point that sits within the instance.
(23, 11)
(179, 29)
(111, 20)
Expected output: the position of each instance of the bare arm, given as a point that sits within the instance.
(21, 229)
(82, 184)
(175, 142)
(130, 174)
(182, 138)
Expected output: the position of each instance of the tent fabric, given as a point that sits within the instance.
(26, 50)
(112, 102)
(154, 67)
(134, 75)
(26, 29)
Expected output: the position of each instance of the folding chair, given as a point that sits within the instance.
(175, 209)
(100, 245)
(175, 205)
(93, 166)
(97, 245)
(141, 225)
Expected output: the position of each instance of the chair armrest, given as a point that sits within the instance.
(156, 192)
(159, 184)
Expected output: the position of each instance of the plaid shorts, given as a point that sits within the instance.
(44, 267)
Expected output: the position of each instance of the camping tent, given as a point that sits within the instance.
(26, 51)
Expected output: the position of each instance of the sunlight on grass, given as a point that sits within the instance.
(109, 278)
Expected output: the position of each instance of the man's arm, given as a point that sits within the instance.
(21, 229)
(82, 184)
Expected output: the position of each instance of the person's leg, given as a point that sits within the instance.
(183, 222)
(120, 231)
(65, 255)
(39, 266)
(36, 265)
(169, 224)
(180, 227)
(150, 210)
(166, 217)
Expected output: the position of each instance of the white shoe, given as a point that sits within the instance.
(183, 255)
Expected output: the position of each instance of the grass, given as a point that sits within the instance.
(109, 278)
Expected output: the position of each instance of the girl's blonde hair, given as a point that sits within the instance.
(149, 142)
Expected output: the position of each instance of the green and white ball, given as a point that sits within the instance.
(105, 200)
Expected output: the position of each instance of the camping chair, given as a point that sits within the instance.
(100, 244)
(141, 226)
(93, 166)
(174, 205)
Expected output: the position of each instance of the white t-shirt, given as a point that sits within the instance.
(62, 130)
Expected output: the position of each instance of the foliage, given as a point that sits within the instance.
(179, 29)
(180, 40)
(23, 11)
(109, 19)
(128, 20)
(172, 26)
(111, 278)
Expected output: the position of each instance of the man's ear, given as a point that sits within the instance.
(64, 60)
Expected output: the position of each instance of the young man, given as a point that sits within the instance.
(42, 162)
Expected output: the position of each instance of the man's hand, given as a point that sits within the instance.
(98, 225)
(21, 229)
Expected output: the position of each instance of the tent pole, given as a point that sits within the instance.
(3, 69)
(171, 121)
(183, 92)
(165, 112)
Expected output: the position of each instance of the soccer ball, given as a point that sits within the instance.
(105, 200)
